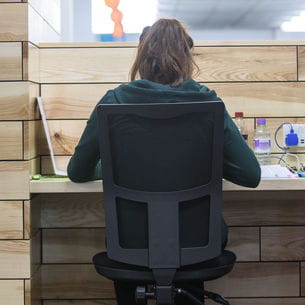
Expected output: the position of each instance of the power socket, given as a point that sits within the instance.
(299, 129)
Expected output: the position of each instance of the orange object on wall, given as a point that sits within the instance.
(116, 17)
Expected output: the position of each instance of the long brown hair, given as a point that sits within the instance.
(164, 54)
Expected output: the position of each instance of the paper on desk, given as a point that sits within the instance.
(276, 171)
(47, 133)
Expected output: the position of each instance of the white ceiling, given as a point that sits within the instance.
(238, 14)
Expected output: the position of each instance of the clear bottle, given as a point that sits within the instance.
(262, 142)
(239, 121)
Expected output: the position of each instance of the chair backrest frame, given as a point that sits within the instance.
(163, 249)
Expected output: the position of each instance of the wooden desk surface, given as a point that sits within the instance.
(64, 185)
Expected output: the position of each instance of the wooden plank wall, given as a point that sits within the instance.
(16, 113)
(19, 86)
(266, 230)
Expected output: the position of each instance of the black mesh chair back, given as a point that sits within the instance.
(162, 180)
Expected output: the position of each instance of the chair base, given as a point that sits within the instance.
(165, 295)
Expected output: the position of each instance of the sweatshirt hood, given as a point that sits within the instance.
(145, 91)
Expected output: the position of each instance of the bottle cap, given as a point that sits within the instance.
(239, 114)
(261, 121)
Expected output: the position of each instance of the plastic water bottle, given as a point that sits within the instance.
(239, 121)
(262, 142)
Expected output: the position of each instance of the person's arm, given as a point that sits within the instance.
(85, 164)
(240, 165)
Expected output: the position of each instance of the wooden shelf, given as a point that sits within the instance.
(64, 185)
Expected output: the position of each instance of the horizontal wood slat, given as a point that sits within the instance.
(33, 289)
(74, 282)
(46, 164)
(84, 302)
(283, 243)
(301, 62)
(32, 129)
(215, 63)
(260, 301)
(11, 291)
(14, 180)
(244, 242)
(258, 280)
(72, 101)
(11, 219)
(85, 210)
(256, 64)
(79, 245)
(17, 100)
(72, 245)
(13, 21)
(31, 68)
(263, 99)
(66, 101)
(11, 146)
(260, 212)
(71, 210)
(65, 135)
(14, 259)
(10, 61)
(85, 65)
(303, 279)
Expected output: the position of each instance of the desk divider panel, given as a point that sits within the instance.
(262, 79)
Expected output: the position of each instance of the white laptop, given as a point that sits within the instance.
(48, 136)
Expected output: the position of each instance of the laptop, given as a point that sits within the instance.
(48, 136)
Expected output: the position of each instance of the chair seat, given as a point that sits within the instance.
(206, 271)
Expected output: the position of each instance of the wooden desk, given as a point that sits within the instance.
(64, 185)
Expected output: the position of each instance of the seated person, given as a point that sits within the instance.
(164, 65)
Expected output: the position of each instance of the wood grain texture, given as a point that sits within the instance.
(11, 220)
(32, 130)
(74, 282)
(258, 280)
(83, 302)
(14, 180)
(246, 63)
(14, 259)
(11, 146)
(72, 245)
(303, 279)
(31, 68)
(46, 164)
(71, 210)
(11, 292)
(263, 301)
(10, 60)
(244, 242)
(33, 290)
(85, 65)
(32, 212)
(17, 101)
(65, 135)
(301, 62)
(260, 212)
(36, 259)
(283, 243)
(13, 22)
(86, 210)
(65, 101)
(262, 99)
(72, 101)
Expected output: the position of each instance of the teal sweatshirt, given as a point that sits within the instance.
(239, 163)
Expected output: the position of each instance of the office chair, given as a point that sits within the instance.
(162, 179)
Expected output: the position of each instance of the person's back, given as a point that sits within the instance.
(165, 66)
